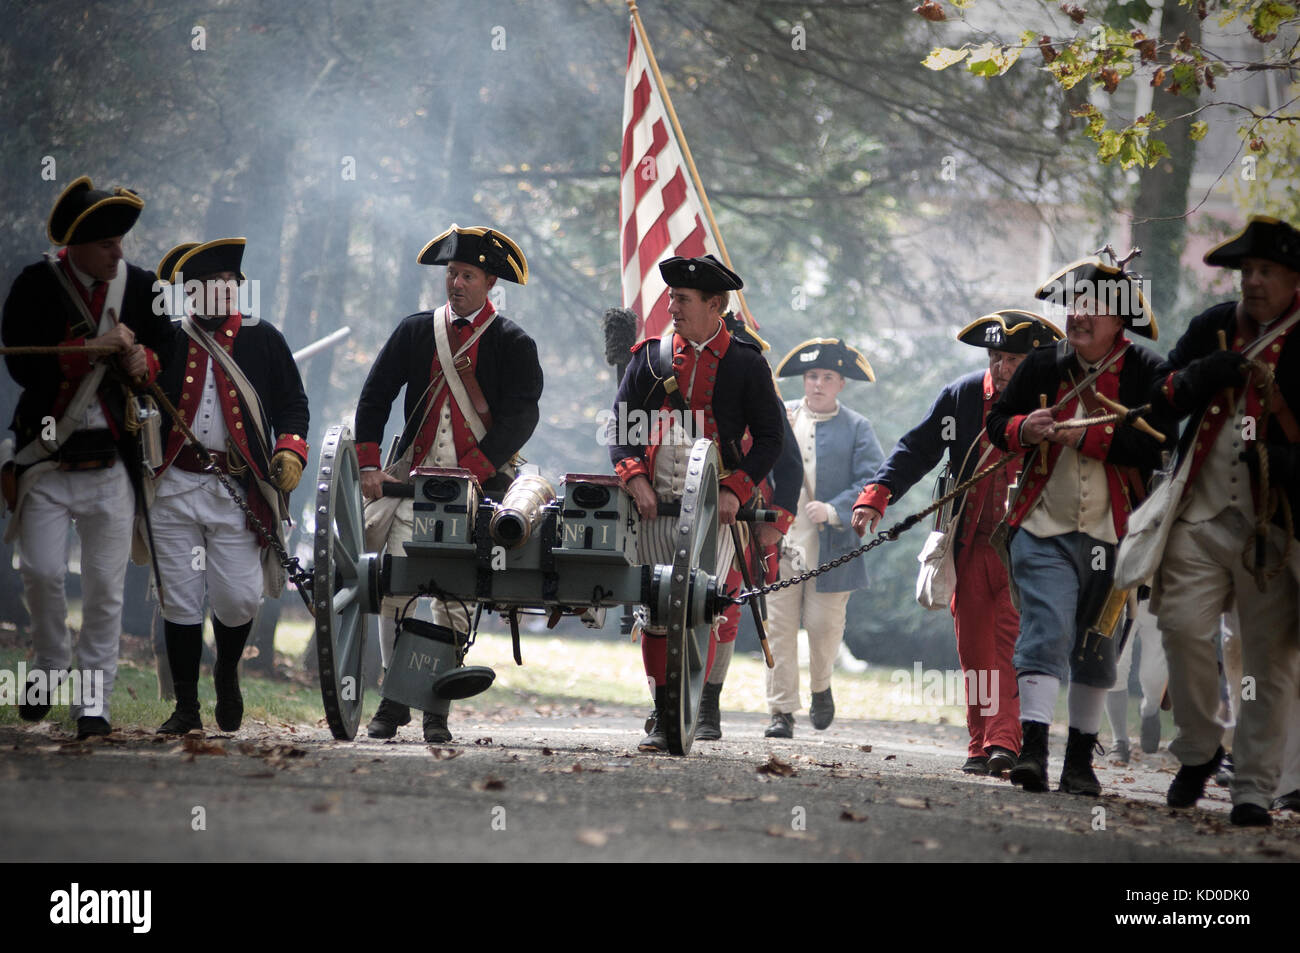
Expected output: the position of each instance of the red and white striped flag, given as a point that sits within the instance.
(659, 208)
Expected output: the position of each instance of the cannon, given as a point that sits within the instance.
(565, 551)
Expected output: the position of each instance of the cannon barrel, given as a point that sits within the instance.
(521, 511)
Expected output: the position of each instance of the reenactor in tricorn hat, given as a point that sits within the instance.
(839, 452)
(986, 622)
(1072, 504)
(1235, 374)
(234, 382)
(74, 459)
(722, 378)
(470, 403)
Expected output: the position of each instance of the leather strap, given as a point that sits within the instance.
(668, 376)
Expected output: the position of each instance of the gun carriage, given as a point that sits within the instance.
(565, 551)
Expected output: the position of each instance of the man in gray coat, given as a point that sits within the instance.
(840, 454)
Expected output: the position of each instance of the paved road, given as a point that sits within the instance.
(561, 783)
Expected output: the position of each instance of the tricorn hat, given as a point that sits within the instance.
(1090, 283)
(1011, 330)
(703, 274)
(479, 246)
(86, 214)
(1263, 237)
(193, 260)
(830, 354)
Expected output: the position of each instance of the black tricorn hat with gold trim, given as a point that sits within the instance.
(480, 246)
(1263, 237)
(703, 274)
(1011, 330)
(1090, 284)
(195, 260)
(84, 214)
(830, 354)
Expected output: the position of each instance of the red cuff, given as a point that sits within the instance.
(151, 360)
(740, 484)
(477, 464)
(368, 454)
(75, 365)
(1167, 389)
(1096, 441)
(291, 441)
(1012, 434)
(875, 496)
(784, 519)
(630, 467)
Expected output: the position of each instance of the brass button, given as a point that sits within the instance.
(189, 380)
(1214, 409)
(239, 424)
(193, 364)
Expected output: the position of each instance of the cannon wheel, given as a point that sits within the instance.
(696, 537)
(338, 545)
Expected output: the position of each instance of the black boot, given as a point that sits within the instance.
(656, 739)
(186, 716)
(1189, 783)
(1030, 771)
(1077, 776)
(184, 647)
(435, 727)
(390, 716)
(708, 725)
(225, 673)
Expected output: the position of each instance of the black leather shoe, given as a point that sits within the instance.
(782, 725)
(1250, 815)
(435, 728)
(708, 724)
(1150, 739)
(1001, 760)
(182, 721)
(89, 726)
(33, 712)
(1030, 771)
(656, 735)
(1288, 802)
(1077, 776)
(1189, 783)
(976, 764)
(390, 716)
(822, 710)
(1123, 751)
(1226, 769)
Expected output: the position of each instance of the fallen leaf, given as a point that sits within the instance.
(592, 838)
(850, 816)
(489, 784)
(1014, 848)
(195, 743)
(775, 765)
(789, 834)
(548, 752)
(866, 748)
(768, 799)
(677, 824)
(482, 741)
(891, 757)
(929, 843)
(444, 754)
(913, 802)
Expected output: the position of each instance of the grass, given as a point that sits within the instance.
(556, 671)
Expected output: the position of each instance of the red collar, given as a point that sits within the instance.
(988, 385)
(479, 319)
(718, 344)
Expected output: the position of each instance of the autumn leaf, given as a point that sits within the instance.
(1158, 79)
(930, 11)
(1147, 48)
(850, 816)
(941, 57)
(1045, 47)
(1198, 130)
(990, 60)
(919, 804)
(1075, 13)
(1109, 79)
(775, 765)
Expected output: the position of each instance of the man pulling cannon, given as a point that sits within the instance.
(473, 382)
(701, 372)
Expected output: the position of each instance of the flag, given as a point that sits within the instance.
(659, 208)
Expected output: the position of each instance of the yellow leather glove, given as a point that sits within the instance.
(286, 470)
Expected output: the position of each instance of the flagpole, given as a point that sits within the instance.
(690, 161)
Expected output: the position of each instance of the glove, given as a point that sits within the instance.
(1206, 376)
(286, 470)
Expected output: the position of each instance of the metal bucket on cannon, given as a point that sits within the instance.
(428, 669)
